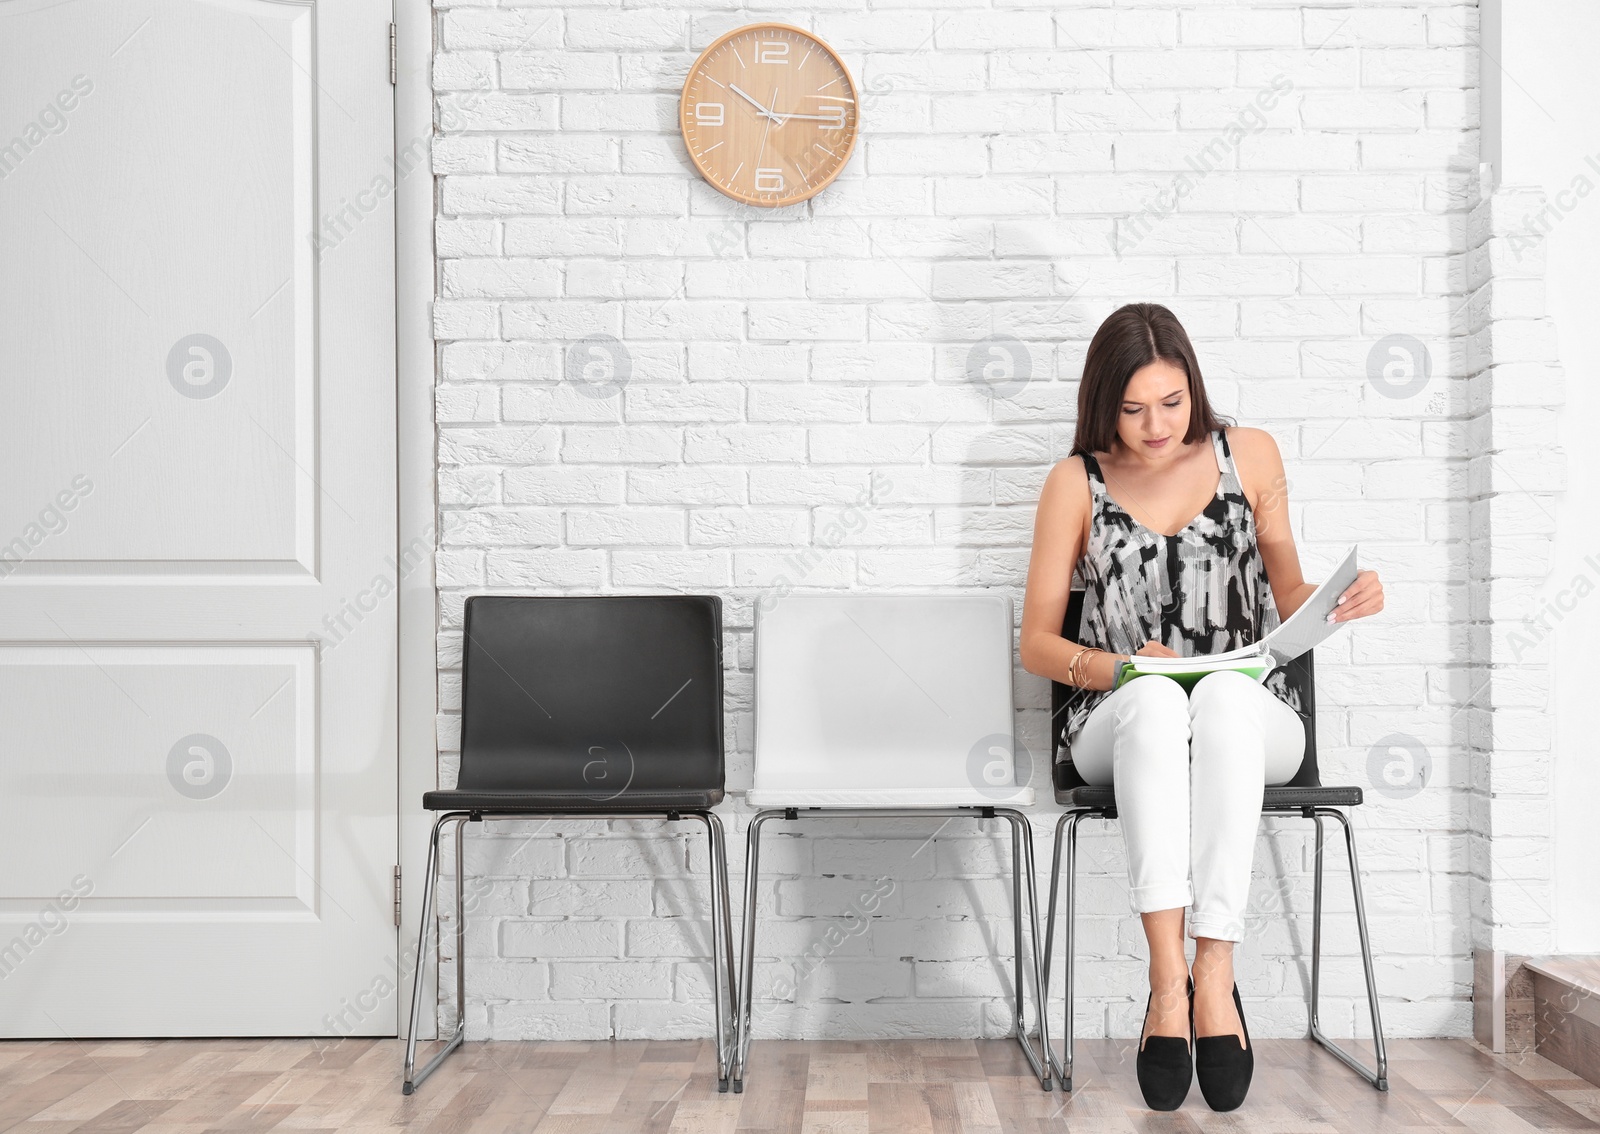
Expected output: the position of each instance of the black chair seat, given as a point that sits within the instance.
(1286, 796)
(525, 801)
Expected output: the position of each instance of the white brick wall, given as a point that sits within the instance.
(791, 371)
(1515, 476)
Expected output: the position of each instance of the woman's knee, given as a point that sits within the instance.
(1219, 704)
(1153, 702)
(1224, 694)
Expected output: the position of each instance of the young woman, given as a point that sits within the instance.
(1179, 530)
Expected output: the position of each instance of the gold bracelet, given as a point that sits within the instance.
(1097, 650)
(1076, 674)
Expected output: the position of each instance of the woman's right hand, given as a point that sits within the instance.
(1151, 649)
(1113, 662)
(1103, 669)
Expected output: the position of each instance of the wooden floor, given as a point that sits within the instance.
(905, 1086)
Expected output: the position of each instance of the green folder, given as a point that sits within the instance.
(1252, 667)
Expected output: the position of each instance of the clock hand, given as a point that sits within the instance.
(734, 87)
(762, 149)
(809, 117)
(772, 113)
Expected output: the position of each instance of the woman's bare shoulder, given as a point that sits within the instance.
(1065, 496)
(1255, 455)
(1068, 478)
(1249, 438)
(1072, 466)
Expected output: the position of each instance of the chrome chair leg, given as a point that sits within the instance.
(1016, 924)
(1068, 825)
(1022, 848)
(1379, 1078)
(1316, 924)
(430, 886)
(1022, 839)
(726, 913)
(721, 936)
(721, 944)
(752, 876)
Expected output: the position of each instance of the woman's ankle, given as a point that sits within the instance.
(1168, 972)
(1213, 967)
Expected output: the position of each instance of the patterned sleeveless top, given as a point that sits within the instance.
(1201, 591)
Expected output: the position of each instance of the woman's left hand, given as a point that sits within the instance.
(1360, 598)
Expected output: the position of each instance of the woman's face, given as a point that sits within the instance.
(1155, 411)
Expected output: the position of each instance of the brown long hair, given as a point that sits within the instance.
(1134, 336)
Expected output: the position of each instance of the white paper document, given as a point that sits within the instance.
(1309, 625)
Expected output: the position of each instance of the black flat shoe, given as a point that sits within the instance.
(1165, 1064)
(1224, 1066)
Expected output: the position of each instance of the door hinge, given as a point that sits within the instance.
(397, 895)
(394, 57)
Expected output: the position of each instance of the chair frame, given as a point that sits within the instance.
(1067, 825)
(721, 928)
(483, 801)
(1022, 861)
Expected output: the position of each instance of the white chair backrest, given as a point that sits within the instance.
(884, 700)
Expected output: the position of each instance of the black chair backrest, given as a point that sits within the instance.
(592, 693)
(1301, 675)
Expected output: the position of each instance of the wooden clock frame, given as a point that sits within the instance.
(687, 121)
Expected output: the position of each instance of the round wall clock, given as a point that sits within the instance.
(769, 114)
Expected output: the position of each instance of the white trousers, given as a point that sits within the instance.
(1189, 769)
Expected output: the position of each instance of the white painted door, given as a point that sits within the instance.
(197, 532)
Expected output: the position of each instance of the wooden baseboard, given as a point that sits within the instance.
(1502, 1001)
